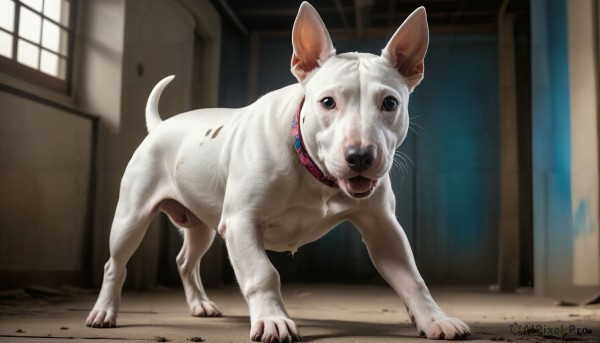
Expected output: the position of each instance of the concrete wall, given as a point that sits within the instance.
(44, 184)
(565, 149)
(583, 84)
(45, 168)
(122, 49)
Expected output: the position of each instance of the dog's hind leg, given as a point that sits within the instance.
(196, 242)
(129, 227)
(197, 238)
(139, 195)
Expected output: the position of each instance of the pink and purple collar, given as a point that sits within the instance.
(305, 159)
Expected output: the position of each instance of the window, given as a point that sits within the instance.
(35, 40)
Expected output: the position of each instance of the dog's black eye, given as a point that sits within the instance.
(389, 104)
(328, 103)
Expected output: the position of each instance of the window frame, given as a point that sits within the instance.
(14, 68)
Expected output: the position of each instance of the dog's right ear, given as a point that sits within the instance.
(311, 42)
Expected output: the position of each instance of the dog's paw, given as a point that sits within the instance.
(444, 328)
(275, 329)
(102, 319)
(204, 308)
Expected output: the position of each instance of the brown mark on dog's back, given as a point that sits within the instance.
(217, 131)
(208, 132)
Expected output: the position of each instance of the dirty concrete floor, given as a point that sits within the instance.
(324, 313)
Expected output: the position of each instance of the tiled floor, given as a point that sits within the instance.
(324, 313)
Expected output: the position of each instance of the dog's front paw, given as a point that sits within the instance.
(102, 318)
(204, 308)
(274, 329)
(443, 328)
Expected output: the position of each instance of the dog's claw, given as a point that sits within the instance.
(444, 328)
(274, 329)
(204, 308)
(103, 325)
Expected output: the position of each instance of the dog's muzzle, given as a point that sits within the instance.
(359, 159)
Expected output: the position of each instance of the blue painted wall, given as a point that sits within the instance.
(447, 202)
(551, 145)
(457, 161)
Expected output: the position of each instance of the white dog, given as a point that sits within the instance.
(281, 173)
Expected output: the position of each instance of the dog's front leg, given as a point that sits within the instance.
(258, 280)
(391, 254)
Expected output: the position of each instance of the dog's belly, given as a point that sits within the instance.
(296, 227)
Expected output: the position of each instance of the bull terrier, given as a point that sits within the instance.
(279, 174)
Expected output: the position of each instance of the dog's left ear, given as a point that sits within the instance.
(408, 46)
(311, 41)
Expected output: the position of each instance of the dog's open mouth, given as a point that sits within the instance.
(358, 186)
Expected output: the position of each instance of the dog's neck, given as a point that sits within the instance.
(305, 159)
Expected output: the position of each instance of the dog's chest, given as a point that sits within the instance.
(301, 224)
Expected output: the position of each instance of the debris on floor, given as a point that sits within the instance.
(323, 313)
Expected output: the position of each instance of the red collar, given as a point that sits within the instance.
(305, 159)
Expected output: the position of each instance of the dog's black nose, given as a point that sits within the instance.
(360, 159)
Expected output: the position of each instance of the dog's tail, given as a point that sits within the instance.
(152, 116)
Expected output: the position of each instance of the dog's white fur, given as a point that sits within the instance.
(236, 171)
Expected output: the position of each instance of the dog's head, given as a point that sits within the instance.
(355, 112)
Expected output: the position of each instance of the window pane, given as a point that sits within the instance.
(51, 36)
(49, 63)
(35, 4)
(28, 54)
(6, 42)
(7, 15)
(29, 25)
(52, 9)
(53, 65)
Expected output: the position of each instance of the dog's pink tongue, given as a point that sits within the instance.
(360, 184)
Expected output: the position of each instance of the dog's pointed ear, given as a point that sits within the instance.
(311, 42)
(408, 46)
